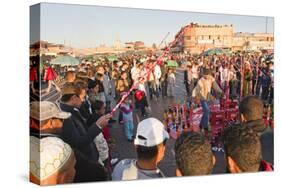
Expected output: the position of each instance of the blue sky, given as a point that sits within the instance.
(89, 26)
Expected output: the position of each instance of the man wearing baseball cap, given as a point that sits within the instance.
(46, 118)
(70, 75)
(150, 148)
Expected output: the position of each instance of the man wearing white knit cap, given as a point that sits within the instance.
(150, 147)
(52, 161)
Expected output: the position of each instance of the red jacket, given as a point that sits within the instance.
(139, 95)
(266, 167)
(50, 74)
(33, 74)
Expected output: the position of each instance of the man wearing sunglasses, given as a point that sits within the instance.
(75, 131)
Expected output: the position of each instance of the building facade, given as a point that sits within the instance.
(253, 41)
(198, 38)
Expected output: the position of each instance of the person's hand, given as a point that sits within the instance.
(103, 120)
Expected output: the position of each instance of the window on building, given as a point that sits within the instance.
(209, 36)
(188, 37)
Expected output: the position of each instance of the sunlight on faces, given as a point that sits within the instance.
(100, 70)
(83, 94)
(124, 76)
(52, 125)
(70, 77)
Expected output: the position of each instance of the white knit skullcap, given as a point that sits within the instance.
(47, 156)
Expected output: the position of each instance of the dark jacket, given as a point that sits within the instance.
(76, 133)
(87, 171)
(86, 109)
(92, 119)
(266, 138)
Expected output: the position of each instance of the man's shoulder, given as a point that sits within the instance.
(120, 167)
(124, 163)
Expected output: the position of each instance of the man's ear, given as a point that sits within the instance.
(233, 168)
(161, 148)
(61, 178)
(161, 152)
(178, 172)
(214, 160)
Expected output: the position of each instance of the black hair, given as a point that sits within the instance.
(93, 83)
(252, 108)
(193, 155)
(206, 71)
(146, 153)
(80, 85)
(67, 97)
(123, 72)
(97, 104)
(242, 144)
(99, 75)
(115, 62)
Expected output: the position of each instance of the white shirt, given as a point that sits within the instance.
(194, 71)
(225, 75)
(171, 78)
(157, 72)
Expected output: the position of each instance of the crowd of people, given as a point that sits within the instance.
(73, 132)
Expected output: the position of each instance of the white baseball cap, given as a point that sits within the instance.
(150, 132)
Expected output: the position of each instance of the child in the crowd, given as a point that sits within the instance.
(98, 108)
(100, 77)
(141, 102)
(94, 91)
(121, 86)
(171, 79)
(127, 112)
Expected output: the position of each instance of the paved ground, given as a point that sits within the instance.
(125, 149)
